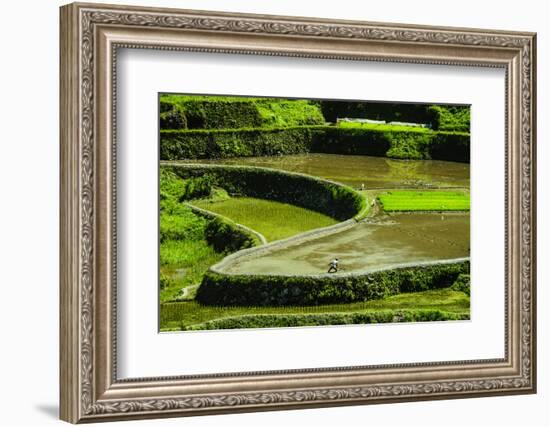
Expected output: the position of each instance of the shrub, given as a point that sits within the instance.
(179, 222)
(450, 118)
(224, 114)
(462, 284)
(199, 112)
(409, 145)
(230, 112)
(164, 281)
(262, 290)
(180, 225)
(172, 117)
(414, 143)
(451, 146)
(171, 187)
(225, 237)
(246, 142)
(197, 187)
(401, 144)
(335, 200)
(289, 113)
(340, 140)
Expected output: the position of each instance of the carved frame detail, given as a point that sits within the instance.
(90, 395)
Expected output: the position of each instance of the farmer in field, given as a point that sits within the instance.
(333, 266)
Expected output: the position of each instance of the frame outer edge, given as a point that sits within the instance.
(69, 355)
(533, 205)
(305, 19)
(78, 403)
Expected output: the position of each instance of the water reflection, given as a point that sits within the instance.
(373, 172)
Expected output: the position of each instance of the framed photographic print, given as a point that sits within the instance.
(278, 212)
(265, 212)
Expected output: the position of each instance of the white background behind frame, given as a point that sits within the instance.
(30, 372)
(143, 73)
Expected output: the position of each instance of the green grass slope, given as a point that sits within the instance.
(189, 243)
(192, 315)
(233, 112)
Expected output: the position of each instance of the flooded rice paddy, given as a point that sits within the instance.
(388, 240)
(374, 172)
(377, 242)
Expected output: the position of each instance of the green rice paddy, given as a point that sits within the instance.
(274, 220)
(425, 201)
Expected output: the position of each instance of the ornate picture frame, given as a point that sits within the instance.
(90, 37)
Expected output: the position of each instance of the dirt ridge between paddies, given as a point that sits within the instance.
(245, 253)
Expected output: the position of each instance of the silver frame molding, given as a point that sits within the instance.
(90, 36)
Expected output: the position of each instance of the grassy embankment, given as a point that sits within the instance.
(402, 142)
(335, 200)
(190, 314)
(204, 127)
(233, 112)
(184, 252)
(410, 201)
(191, 243)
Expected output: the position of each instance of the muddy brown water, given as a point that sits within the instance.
(378, 242)
(388, 240)
(374, 172)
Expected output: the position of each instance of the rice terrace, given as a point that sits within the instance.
(282, 212)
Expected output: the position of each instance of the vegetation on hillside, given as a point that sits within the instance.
(331, 199)
(219, 288)
(205, 127)
(234, 112)
(242, 142)
(450, 118)
(230, 112)
(189, 243)
(462, 284)
(191, 315)
(403, 142)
